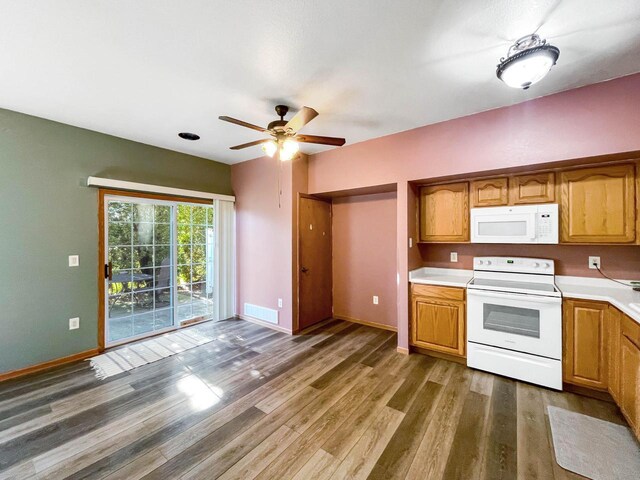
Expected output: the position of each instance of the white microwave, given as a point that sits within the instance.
(516, 224)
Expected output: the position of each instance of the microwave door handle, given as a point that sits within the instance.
(510, 296)
(531, 226)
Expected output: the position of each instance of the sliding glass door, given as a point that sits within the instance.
(158, 268)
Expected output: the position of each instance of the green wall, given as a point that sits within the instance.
(47, 213)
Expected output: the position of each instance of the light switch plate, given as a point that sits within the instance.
(279, 303)
(74, 260)
(74, 323)
(375, 300)
(454, 256)
(596, 261)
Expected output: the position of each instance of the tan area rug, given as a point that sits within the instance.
(592, 447)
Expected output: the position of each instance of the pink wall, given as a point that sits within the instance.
(589, 121)
(617, 261)
(364, 257)
(264, 233)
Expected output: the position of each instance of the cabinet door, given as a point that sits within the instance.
(439, 325)
(534, 188)
(615, 316)
(598, 205)
(630, 382)
(444, 213)
(585, 343)
(489, 193)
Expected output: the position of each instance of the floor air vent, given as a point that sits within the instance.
(261, 313)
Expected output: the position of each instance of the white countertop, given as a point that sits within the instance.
(448, 277)
(585, 288)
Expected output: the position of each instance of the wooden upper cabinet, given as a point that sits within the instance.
(489, 193)
(533, 188)
(444, 213)
(438, 322)
(585, 349)
(598, 205)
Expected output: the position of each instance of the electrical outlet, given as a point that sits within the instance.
(279, 303)
(74, 323)
(593, 262)
(454, 256)
(74, 260)
(375, 300)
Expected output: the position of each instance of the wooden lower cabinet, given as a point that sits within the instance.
(585, 352)
(629, 372)
(615, 332)
(438, 320)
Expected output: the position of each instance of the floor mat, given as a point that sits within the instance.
(594, 448)
(137, 354)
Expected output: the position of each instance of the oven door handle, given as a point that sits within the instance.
(513, 296)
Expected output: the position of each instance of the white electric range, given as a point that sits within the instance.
(514, 319)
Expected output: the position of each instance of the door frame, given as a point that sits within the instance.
(296, 270)
(102, 193)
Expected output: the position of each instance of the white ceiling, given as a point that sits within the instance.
(148, 69)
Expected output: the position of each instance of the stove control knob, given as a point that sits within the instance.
(480, 262)
(546, 265)
(535, 264)
(488, 262)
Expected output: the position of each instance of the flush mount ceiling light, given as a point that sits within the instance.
(528, 61)
(189, 136)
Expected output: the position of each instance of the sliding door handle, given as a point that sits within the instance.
(108, 271)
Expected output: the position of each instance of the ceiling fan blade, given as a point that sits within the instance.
(300, 119)
(250, 144)
(338, 142)
(242, 124)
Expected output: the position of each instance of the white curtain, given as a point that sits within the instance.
(225, 258)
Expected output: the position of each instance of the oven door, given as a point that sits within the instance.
(502, 227)
(520, 322)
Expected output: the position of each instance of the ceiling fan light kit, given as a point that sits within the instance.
(527, 62)
(284, 134)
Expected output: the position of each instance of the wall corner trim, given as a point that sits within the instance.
(144, 187)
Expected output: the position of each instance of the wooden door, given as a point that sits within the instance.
(439, 325)
(444, 213)
(489, 193)
(533, 188)
(598, 205)
(314, 262)
(585, 343)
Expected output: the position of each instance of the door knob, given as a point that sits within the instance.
(304, 269)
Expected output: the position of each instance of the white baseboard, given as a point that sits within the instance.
(262, 323)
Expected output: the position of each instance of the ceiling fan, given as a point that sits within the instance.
(284, 134)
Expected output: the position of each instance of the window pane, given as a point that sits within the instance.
(142, 257)
(143, 233)
(163, 276)
(162, 234)
(163, 318)
(184, 274)
(198, 215)
(143, 302)
(163, 297)
(199, 234)
(120, 328)
(210, 216)
(198, 273)
(198, 254)
(120, 281)
(184, 254)
(163, 213)
(184, 214)
(143, 212)
(143, 323)
(119, 234)
(184, 234)
(120, 212)
(184, 312)
(120, 257)
(184, 293)
(120, 305)
(162, 255)
(143, 279)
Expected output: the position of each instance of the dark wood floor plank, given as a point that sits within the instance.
(416, 377)
(401, 449)
(501, 460)
(465, 456)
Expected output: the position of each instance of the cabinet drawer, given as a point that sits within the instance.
(631, 330)
(435, 291)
